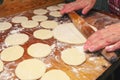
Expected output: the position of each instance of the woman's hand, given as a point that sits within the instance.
(108, 38)
(85, 5)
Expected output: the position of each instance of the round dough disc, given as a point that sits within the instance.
(73, 56)
(55, 75)
(39, 50)
(5, 26)
(53, 8)
(55, 14)
(39, 18)
(1, 66)
(43, 34)
(29, 24)
(30, 69)
(16, 39)
(12, 53)
(40, 11)
(49, 24)
(68, 33)
(19, 19)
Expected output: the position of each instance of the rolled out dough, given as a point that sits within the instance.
(1, 66)
(53, 8)
(30, 69)
(5, 26)
(39, 18)
(40, 11)
(19, 19)
(55, 14)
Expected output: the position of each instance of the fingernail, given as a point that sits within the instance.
(91, 49)
(109, 48)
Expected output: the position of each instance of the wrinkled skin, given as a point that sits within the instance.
(85, 5)
(108, 38)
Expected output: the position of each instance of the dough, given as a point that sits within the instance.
(16, 39)
(29, 24)
(43, 34)
(39, 50)
(1, 66)
(69, 34)
(30, 69)
(5, 26)
(73, 56)
(53, 8)
(19, 19)
(61, 4)
(12, 53)
(39, 18)
(40, 11)
(55, 14)
(55, 75)
(49, 24)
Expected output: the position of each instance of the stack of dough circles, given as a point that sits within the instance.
(55, 75)
(1, 66)
(29, 24)
(40, 11)
(39, 50)
(72, 56)
(55, 14)
(12, 53)
(43, 34)
(39, 18)
(19, 19)
(16, 39)
(68, 33)
(49, 24)
(30, 69)
(5, 26)
(53, 8)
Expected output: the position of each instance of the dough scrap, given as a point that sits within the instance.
(53, 8)
(30, 69)
(40, 11)
(73, 56)
(49, 24)
(39, 18)
(16, 39)
(55, 14)
(12, 53)
(69, 34)
(43, 34)
(19, 19)
(39, 50)
(55, 75)
(1, 66)
(5, 26)
(29, 24)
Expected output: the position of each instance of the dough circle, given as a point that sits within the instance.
(72, 56)
(69, 34)
(40, 11)
(55, 75)
(5, 26)
(19, 19)
(39, 50)
(29, 24)
(12, 53)
(39, 18)
(49, 24)
(43, 34)
(30, 69)
(1, 66)
(16, 39)
(55, 14)
(53, 8)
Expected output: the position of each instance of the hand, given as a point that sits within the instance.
(85, 5)
(108, 38)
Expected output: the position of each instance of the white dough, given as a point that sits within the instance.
(43, 34)
(29, 24)
(40, 11)
(49, 24)
(53, 8)
(73, 56)
(69, 34)
(39, 50)
(19, 19)
(55, 75)
(5, 26)
(39, 18)
(30, 69)
(1, 66)
(16, 39)
(12, 53)
(55, 14)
